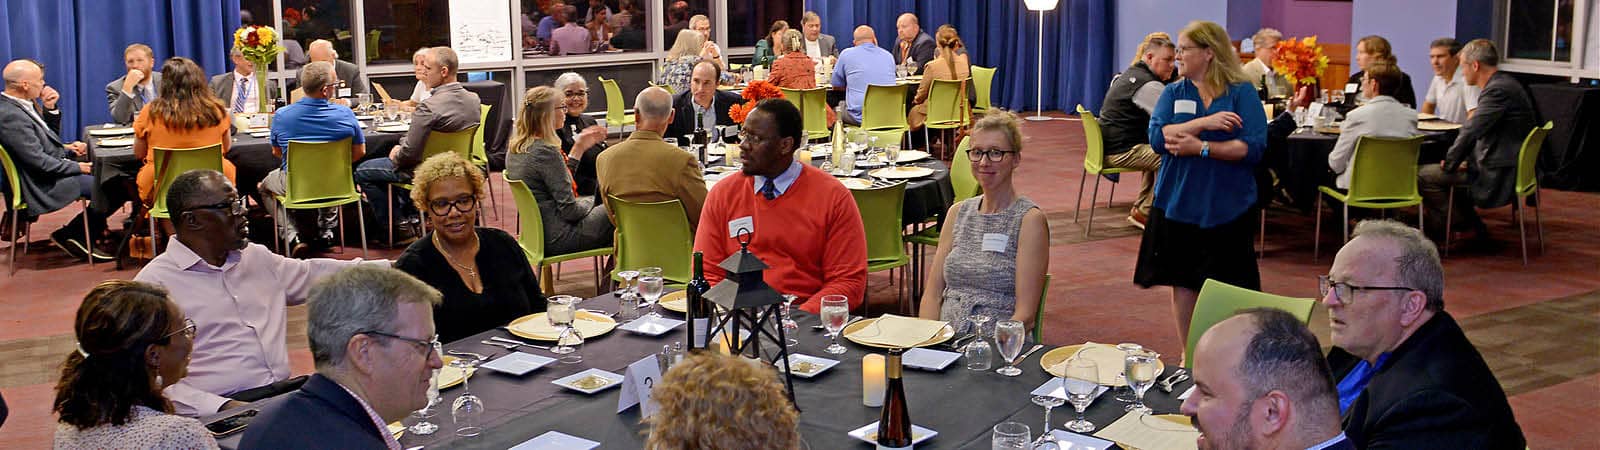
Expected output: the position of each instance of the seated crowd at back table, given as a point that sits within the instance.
(156, 351)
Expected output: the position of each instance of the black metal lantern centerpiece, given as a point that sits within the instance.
(747, 302)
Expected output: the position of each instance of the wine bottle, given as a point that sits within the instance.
(699, 310)
(702, 137)
(1262, 91)
(894, 423)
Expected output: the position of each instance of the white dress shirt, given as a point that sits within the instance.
(1381, 116)
(251, 99)
(1452, 99)
(421, 92)
(813, 49)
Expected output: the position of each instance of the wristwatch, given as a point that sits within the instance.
(1205, 149)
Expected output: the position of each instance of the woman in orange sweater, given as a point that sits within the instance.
(185, 115)
(794, 70)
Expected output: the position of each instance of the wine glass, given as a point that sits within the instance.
(1081, 381)
(627, 277)
(650, 286)
(467, 411)
(1010, 436)
(1124, 392)
(787, 322)
(561, 310)
(835, 312)
(1049, 402)
(1008, 335)
(891, 152)
(1141, 370)
(423, 427)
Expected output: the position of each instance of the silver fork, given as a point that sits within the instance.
(512, 343)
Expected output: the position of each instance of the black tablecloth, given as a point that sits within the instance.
(495, 130)
(251, 156)
(1570, 159)
(1304, 162)
(961, 405)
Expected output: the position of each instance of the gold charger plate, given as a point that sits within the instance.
(119, 131)
(856, 183)
(1328, 130)
(849, 331)
(114, 142)
(1437, 125)
(1057, 355)
(397, 429)
(901, 172)
(675, 301)
(537, 327)
(451, 376)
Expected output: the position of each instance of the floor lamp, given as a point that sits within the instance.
(1041, 6)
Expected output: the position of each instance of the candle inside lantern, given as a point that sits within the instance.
(872, 380)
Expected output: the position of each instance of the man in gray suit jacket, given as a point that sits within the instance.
(243, 75)
(817, 44)
(126, 95)
(1381, 116)
(1488, 145)
(450, 108)
(49, 177)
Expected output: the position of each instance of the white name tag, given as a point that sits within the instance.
(1350, 88)
(995, 242)
(344, 92)
(1183, 107)
(740, 226)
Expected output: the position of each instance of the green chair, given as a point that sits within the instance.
(531, 237)
(436, 143)
(983, 80)
(372, 44)
(320, 176)
(1094, 163)
(1220, 301)
(881, 210)
(14, 204)
(813, 104)
(883, 114)
(1038, 316)
(1527, 184)
(480, 158)
(169, 163)
(947, 107)
(616, 110)
(965, 186)
(1383, 175)
(654, 234)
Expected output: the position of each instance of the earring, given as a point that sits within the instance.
(159, 384)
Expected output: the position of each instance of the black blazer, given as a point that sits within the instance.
(1490, 141)
(321, 415)
(1434, 391)
(48, 175)
(588, 182)
(683, 120)
(922, 51)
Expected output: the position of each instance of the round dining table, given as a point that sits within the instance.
(1304, 163)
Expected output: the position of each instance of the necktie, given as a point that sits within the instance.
(243, 91)
(769, 190)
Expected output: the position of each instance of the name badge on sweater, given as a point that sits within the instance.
(995, 242)
(1183, 107)
(740, 226)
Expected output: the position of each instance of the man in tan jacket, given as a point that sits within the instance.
(645, 168)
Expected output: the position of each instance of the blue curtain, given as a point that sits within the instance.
(1078, 42)
(80, 42)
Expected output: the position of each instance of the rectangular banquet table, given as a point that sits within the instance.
(961, 405)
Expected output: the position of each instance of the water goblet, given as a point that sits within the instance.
(1008, 336)
(562, 310)
(467, 411)
(1081, 381)
(1049, 402)
(650, 286)
(1140, 367)
(1124, 392)
(1010, 436)
(787, 321)
(423, 427)
(835, 312)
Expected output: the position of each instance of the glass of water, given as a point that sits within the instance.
(1141, 371)
(561, 310)
(1124, 392)
(1011, 436)
(423, 427)
(650, 286)
(835, 312)
(1008, 336)
(1081, 381)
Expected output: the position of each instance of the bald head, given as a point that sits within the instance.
(321, 50)
(906, 27)
(23, 79)
(864, 34)
(654, 109)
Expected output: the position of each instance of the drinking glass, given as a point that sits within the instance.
(1010, 436)
(467, 411)
(1124, 392)
(1008, 335)
(362, 100)
(650, 286)
(1140, 368)
(1081, 380)
(627, 306)
(893, 154)
(787, 322)
(561, 310)
(978, 352)
(978, 321)
(835, 312)
(627, 277)
(1049, 402)
(423, 427)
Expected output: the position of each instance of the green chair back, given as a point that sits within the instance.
(1038, 316)
(530, 223)
(616, 110)
(171, 162)
(1220, 301)
(319, 175)
(884, 108)
(13, 183)
(946, 106)
(479, 155)
(983, 80)
(1528, 159)
(451, 141)
(961, 178)
(881, 209)
(1383, 172)
(813, 104)
(654, 234)
(1094, 156)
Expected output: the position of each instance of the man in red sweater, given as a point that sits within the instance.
(803, 223)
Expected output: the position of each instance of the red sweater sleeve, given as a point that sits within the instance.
(710, 235)
(845, 259)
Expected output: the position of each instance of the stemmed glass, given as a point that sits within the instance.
(1125, 392)
(627, 277)
(1049, 402)
(787, 321)
(561, 310)
(1141, 370)
(650, 286)
(1009, 436)
(1081, 380)
(977, 351)
(467, 409)
(423, 427)
(835, 312)
(1008, 335)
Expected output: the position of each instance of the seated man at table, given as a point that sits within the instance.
(1449, 96)
(49, 177)
(1407, 376)
(571, 38)
(450, 108)
(1260, 382)
(703, 102)
(238, 88)
(126, 95)
(1125, 117)
(237, 294)
(646, 169)
(1380, 116)
(913, 45)
(373, 344)
(818, 45)
(312, 119)
(859, 66)
(1259, 70)
(1484, 156)
(710, 49)
(351, 80)
(800, 221)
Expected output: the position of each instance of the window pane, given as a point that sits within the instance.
(1529, 27)
(596, 26)
(749, 21)
(1564, 31)
(631, 78)
(425, 23)
(308, 20)
(677, 18)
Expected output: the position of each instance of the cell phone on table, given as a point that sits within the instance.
(231, 424)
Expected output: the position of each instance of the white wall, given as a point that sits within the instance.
(1136, 18)
(1409, 26)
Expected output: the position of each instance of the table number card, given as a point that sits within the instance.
(637, 382)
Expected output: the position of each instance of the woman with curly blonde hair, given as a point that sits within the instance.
(718, 402)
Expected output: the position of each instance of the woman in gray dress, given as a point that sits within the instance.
(994, 249)
(571, 223)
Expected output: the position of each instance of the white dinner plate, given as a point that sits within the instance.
(115, 142)
(116, 131)
(517, 363)
(856, 183)
(902, 172)
(807, 366)
(912, 155)
(869, 433)
(394, 128)
(651, 326)
(589, 381)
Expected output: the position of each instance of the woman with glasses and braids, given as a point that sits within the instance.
(484, 277)
(133, 341)
(571, 223)
(993, 248)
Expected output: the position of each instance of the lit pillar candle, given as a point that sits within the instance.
(872, 380)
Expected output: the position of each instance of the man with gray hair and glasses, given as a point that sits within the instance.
(375, 350)
(1407, 377)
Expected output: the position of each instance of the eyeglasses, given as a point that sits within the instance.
(232, 207)
(745, 136)
(1345, 291)
(994, 155)
(442, 207)
(187, 331)
(432, 343)
(578, 93)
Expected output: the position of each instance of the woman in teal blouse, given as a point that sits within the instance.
(764, 48)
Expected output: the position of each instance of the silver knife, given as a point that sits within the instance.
(1035, 348)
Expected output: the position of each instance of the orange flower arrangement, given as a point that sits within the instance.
(1302, 61)
(754, 93)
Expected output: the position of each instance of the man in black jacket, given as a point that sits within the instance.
(1407, 376)
(49, 176)
(703, 102)
(913, 43)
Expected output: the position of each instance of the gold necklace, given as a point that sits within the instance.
(450, 259)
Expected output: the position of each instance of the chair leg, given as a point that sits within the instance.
(1261, 246)
(1346, 224)
(390, 206)
(1316, 236)
(1537, 225)
(361, 221)
(1112, 195)
(88, 239)
(15, 232)
(277, 245)
(546, 284)
(1092, 196)
(1522, 228)
(342, 244)
(1078, 207)
(1449, 211)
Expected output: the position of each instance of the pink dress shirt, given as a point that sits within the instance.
(240, 315)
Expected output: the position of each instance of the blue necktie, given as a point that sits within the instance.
(769, 190)
(243, 89)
